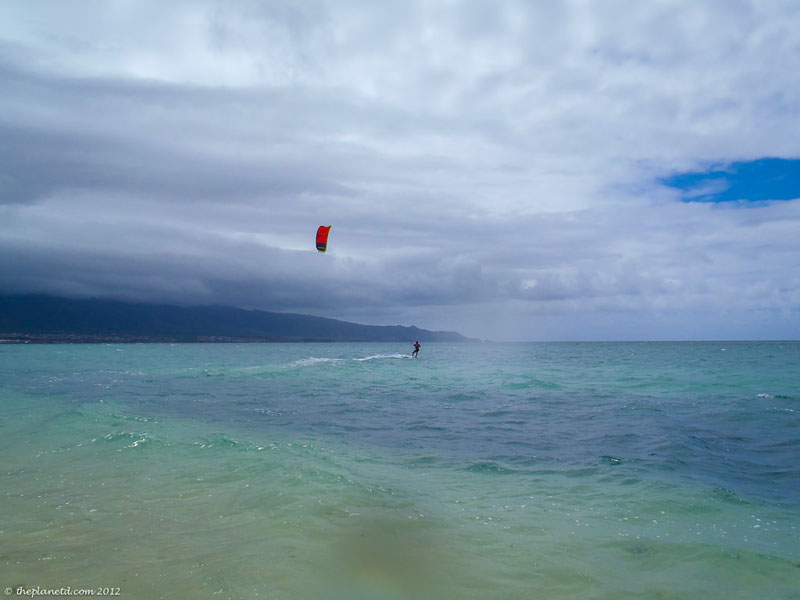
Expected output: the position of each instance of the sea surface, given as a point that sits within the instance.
(477, 471)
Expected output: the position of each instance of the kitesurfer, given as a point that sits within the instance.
(415, 353)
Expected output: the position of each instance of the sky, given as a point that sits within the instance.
(512, 170)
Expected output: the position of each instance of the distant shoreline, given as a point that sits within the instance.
(6, 338)
(41, 319)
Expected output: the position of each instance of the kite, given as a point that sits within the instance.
(322, 237)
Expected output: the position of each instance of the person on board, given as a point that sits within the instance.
(415, 353)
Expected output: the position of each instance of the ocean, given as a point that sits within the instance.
(477, 471)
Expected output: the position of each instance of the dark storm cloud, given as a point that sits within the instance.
(36, 160)
(35, 164)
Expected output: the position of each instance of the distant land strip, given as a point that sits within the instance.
(49, 319)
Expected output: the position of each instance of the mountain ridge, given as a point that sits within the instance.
(43, 318)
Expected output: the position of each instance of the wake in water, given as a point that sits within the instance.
(313, 360)
(382, 356)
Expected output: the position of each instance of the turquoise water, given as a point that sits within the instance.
(295, 471)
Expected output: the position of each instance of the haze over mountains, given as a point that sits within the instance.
(47, 318)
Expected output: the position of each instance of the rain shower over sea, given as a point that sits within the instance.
(477, 471)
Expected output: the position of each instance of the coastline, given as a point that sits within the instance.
(59, 338)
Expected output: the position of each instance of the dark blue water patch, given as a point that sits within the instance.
(752, 181)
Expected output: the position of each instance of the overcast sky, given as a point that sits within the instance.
(510, 170)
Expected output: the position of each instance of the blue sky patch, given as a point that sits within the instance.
(754, 181)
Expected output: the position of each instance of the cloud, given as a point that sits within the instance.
(498, 169)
